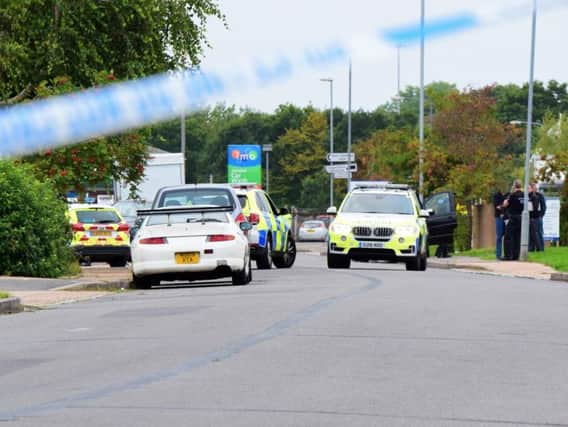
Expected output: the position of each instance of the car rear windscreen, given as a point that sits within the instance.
(196, 197)
(92, 216)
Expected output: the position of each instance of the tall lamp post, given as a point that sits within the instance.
(523, 255)
(330, 81)
(421, 108)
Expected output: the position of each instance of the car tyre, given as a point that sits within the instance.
(118, 262)
(423, 262)
(414, 263)
(286, 260)
(264, 258)
(338, 261)
(243, 276)
(141, 282)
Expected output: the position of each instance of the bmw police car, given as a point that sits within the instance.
(385, 222)
(270, 239)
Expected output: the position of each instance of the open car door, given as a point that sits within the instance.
(442, 221)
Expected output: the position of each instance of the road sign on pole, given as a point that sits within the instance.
(340, 157)
(341, 168)
(341, 175)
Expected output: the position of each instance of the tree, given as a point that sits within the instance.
(81, 166)
(467, 129)
(302, 154)
(44, 39)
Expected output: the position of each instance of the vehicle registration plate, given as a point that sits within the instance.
(187, 257)
(101, 233)
(372, 245)
(311, 231)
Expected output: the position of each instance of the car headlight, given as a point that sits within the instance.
(407, 230)
(340, 228)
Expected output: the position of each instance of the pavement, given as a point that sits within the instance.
(100, 279)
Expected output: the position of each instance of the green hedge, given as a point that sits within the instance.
(34, 228)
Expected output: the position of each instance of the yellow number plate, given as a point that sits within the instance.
(311, 231)
(187, 257)
(98, 233)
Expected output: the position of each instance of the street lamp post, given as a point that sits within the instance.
(267, 148)
(330, 81)
(421, 108)
(523, 255)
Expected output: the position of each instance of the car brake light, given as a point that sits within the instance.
(123, 227)
(78, 227)
(220, 237)
(240, 218)
(254, 218)
(153, 241)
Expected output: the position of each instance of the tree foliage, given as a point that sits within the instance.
(102, 160)
(44, 39)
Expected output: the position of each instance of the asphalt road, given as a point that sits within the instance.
(374, 345)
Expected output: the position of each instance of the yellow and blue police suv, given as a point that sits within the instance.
(99, 234)
(270, 239)
(386, 222)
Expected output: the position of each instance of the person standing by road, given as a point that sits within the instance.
(539, 210)
(499, 209)
(514, 210)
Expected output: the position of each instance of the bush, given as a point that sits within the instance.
(34, 228)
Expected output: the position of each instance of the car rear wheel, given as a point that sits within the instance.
(118, 262)
(243, 276)
(141, 282)
(338, 261)
(264, 258)
(286, 260)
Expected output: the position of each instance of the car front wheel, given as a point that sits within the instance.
(286, 260)
(338, 261)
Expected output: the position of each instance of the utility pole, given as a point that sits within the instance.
(421, 113)
(523, 255)
(349, 133)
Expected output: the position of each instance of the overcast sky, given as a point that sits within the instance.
(275, 52)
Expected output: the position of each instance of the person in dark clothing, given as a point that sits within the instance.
(539, 212)
(514, 209)
(534, 241)
(498, 199)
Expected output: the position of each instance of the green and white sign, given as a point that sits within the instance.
(244, 164)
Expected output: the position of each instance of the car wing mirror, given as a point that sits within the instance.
(332, 210)
(283, 211)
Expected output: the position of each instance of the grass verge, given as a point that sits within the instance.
(553, 256)
(4, 295)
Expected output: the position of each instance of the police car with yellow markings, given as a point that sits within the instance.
(385, 222)
(99, 234)
(270, 239)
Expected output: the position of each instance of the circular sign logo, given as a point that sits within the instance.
(235, 154)
(252, 155)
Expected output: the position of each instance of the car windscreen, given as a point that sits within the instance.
(188, 218)
(93, 216)
(196, 196)
(382, 203)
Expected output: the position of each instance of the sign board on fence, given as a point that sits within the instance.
(340, 157)
(551, 219)
(243, 164)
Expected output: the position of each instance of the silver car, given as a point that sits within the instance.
(312, 230)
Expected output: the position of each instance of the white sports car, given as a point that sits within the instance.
(190, 243)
